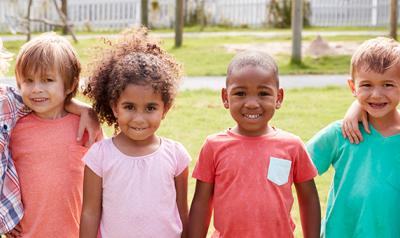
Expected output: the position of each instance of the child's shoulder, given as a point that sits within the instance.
(172, 144)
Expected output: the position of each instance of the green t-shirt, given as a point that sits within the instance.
(364, 198)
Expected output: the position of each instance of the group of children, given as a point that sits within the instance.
(135, 183)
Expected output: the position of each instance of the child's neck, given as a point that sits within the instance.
(136, 148)
(51, 115)
(388, 125)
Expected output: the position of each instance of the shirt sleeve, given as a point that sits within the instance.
(17, 103)
(323, 147)
(205, 166)
(304, 168)
(94, 159)
(183, 159)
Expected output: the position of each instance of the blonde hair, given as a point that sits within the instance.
(46, 52)
(376, 55)
(5, 56)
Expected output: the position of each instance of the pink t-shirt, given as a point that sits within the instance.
(253, 179)
(139, 196)
(49, 163)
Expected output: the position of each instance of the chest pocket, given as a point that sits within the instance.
(278, 170)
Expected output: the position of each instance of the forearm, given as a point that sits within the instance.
(199, 219)
(89, 225)
(310, 211)
(77, 107)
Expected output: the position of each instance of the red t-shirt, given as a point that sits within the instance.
(253, 179)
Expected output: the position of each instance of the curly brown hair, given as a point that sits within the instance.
(133, 58)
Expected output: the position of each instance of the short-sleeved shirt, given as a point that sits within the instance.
(253, 179)
(364, 199)
(11, 209)
(49, 163)
(139, 196)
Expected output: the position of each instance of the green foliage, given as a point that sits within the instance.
(279, 13)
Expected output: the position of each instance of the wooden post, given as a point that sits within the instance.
(297, 25)
(393, 19)
(179, 23)
(64, 10)
(28, 18)
(144, 13)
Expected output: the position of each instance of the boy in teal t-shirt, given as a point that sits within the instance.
(364, 199)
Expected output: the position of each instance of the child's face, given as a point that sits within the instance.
(378, 94)
(252, 96)
(45, 95)
(139, 112)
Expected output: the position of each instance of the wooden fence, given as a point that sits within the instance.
(117, 14)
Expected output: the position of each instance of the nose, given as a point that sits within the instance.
(252, 102)
(138, 118)
(37, 87)
(377, 92)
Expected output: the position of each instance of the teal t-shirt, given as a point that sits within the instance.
(364, 198)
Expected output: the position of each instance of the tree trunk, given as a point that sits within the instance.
(179, 23)
(145, 13)
(297, 25)
(393, 19)
(64, 4)
(28, 18)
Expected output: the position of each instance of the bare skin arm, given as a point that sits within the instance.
(310, 210)
(87, 122)
(91, 209)
(181, 185)
(350, 128)
(200, 210)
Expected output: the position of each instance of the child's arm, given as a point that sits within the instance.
(88, 121)
(310, 210)
(200, 210)
(92, 202)
(350, 123)
(181, 185)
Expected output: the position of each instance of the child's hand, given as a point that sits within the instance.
(14, 233)
(350, 128)
(89, 123)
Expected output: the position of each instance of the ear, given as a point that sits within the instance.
(166, 109)
(114, 109)
(279, 98)
(352, 86)
(73, 86)
(224, 97)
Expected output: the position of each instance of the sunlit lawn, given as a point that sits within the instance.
(199, 113)
(208, 56)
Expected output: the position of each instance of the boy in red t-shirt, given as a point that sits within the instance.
(246, 173)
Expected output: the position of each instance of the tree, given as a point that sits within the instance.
(297, 25)
(393, 19)
(145, 13)
(179, 22)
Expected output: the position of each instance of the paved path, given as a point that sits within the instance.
(286, 81)
(262, 34)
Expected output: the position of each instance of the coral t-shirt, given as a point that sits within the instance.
(253, 179)
(49, 163)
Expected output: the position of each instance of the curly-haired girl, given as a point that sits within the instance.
(135, 183)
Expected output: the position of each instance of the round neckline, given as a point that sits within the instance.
(142, 157)
(243, 137)
(36, 117)
(374, 131)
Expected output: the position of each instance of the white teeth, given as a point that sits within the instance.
(138, 129)
(38, 99)
(252, 116)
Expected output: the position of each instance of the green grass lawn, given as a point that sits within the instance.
(199, 113)
(208, 57)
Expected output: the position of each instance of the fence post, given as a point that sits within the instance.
(144, 13)
(297, 25)
(179, 23)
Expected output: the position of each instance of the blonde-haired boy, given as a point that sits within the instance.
(365, 192)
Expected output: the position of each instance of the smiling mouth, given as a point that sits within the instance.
(38, 99)
(252, 116)
(138, 129)
(377, 105)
